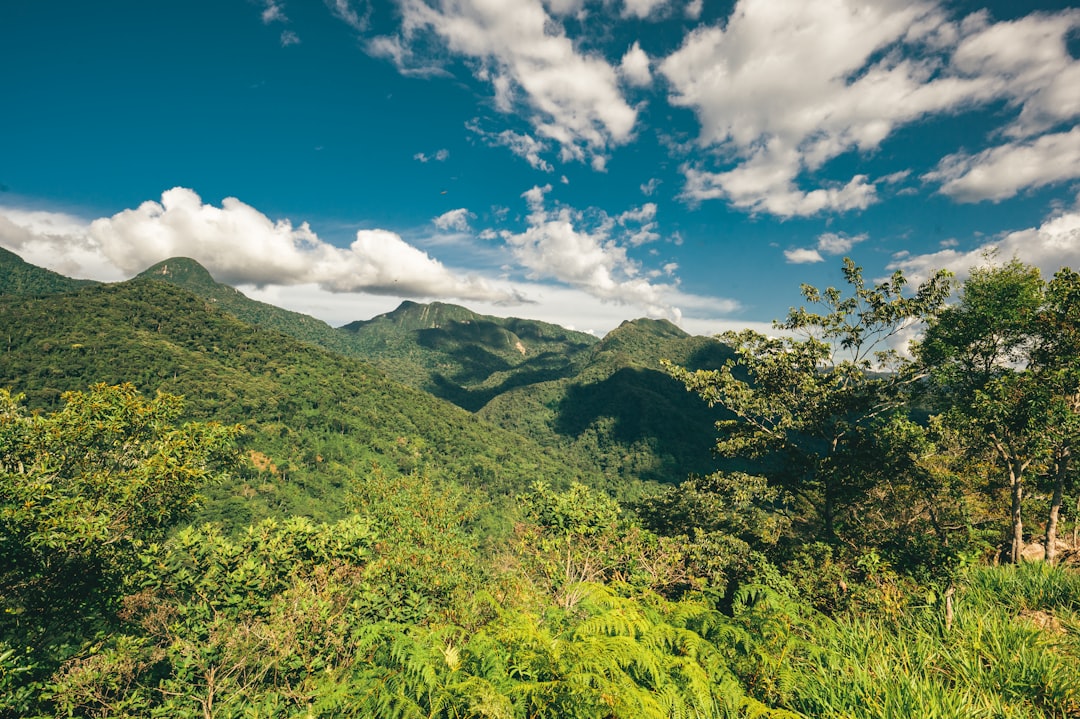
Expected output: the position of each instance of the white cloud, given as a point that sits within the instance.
(439, 156)
(800, 256)
(829, 243)
(55, 240)
(558, 244)
(344, 11)
(571, 98)
(644, 217)
(648, 188)
(291, 267)
(273, 12)
(642, 8)
(1000, 172)
(833, 243)
(454, 220)
(1051, 246)
(635, 66)
(288, 37)
(693, 9)
(1031, 63)
(524, 146)
(784, 86)
(239, 245)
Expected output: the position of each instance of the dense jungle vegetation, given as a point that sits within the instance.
(203, 513)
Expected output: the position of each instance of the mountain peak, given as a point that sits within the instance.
(182, 271)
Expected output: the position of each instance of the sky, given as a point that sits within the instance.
(581, 162)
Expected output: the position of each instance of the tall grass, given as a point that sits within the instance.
(1013, 652)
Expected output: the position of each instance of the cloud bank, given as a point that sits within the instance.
(239, 245)
(784, 86)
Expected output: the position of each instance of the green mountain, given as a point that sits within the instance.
(189, 274)
(318, 421)
(621, 409)
(605, 406)
(18, 277)
(465, 357)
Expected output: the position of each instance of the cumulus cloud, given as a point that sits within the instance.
(1000, 172)
(634, 67)
(642, 8)
(565, 245)
(833, 243)
(1052, 245)
(454, 220)
(523, 52)
(288, 37)
(57, 241)
(801, 256)
(829, 243)
(783, 86)
(1029, 62)
(240, 245)
(291, 267)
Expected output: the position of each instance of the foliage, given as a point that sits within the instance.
(1011, 651)
(809, 400)
(316, 420)
(18, 277)
(81, 491)
(1005, 358)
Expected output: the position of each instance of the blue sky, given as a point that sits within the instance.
(577, 161)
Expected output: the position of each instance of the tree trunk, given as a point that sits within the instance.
(1061, 468)
(830, 526)
(1016, 475)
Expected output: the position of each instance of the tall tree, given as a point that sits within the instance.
(1057, 360)
(806, 397)
(979, 352)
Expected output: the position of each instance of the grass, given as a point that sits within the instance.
(1013, 652)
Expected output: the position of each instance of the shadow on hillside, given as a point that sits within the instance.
(547, 367)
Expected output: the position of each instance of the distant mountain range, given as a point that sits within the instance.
(537, 401)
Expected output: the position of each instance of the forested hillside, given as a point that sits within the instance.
(621, 408)
(200, 516)
(21, 278)
(315, 419)
(563, 389)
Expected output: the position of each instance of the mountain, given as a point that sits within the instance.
(190, 275)
(605, 407)
(465, 357)
(317, 421)
(18, 277)
(621, 408)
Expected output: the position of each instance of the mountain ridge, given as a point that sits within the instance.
(604, 401)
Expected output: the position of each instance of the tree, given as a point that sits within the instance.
(803, 399)
(81, 490)
(979, 352)
(1056, 358)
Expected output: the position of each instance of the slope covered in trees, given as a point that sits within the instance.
(18, 277)
(562, 389)
(463, 356)
(315, 418)
(621, 407)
